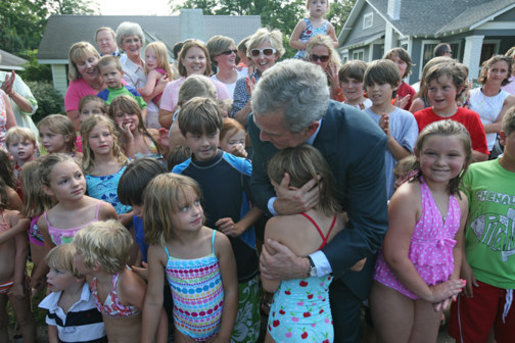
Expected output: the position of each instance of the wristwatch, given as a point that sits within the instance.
(312, 267)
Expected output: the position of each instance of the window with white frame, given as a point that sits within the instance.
(368, 20)
(427, 52)
(358, 54)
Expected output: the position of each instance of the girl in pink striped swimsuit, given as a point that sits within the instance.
(197, 261)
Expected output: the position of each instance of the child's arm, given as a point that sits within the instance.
(52, 334)
(332, 34)
(295, 36)
(13, 200)
(227, 264)
(397, 150)
(107, 211)
(272, 231)
(230, 228)
(146, 91)
(402, 215)
(37, 275)
(21, 226)
(20, 259)
(154, 297)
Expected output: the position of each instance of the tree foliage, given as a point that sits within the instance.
(23, 21)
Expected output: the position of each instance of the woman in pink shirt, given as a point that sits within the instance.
(84, 76)
(193, 59)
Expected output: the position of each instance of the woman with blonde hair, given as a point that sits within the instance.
(84, 76)
(320, 51)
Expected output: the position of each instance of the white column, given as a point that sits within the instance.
(192, 24)
(388, 37)
(472, 54)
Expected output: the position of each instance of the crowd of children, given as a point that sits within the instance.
(117, 207)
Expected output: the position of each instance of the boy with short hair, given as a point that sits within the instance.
(111, 70)
(224, 180)
(489, 267)
(382, 79)
(351, 82)
(72, 313)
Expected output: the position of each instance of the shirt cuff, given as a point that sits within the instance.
(270, 205)
(321, 263)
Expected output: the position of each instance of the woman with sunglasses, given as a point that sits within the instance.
(222, 51)
(193, 59)
(264, 48)
(320, 51)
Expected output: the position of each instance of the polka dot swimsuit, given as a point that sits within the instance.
(431, 245)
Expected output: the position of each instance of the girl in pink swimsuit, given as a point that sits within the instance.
(62, 178)
(102, 255)
(417, 271)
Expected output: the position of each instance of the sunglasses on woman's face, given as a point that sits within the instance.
(266, 52)
(322, 58)
(228, 52)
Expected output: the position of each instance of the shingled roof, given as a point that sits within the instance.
(438, 17)
(64, 30)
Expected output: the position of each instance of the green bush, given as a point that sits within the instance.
(49, 100)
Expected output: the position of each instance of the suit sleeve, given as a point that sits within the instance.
(260, 186)
(366, 204)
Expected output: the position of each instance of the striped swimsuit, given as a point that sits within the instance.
(198, 294)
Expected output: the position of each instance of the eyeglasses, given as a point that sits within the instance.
(228, 52)
(323, 58)
(266, 52)
(131, 40)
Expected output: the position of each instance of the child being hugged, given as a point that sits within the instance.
(443, 84)
(312, 26)
(57, 135)
(416, 273)
(63, 179)
(72, 314)
(104, 162)
(381, 81)
(102, 255)
(193, 257)
(136, 140)
(13, 288)
(300, 309)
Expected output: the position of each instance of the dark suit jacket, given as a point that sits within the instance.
(354, 146)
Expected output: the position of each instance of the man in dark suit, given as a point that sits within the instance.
(291, 106)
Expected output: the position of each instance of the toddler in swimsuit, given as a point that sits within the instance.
(102, 255)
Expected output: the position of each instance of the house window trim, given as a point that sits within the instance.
(495, 42)
(421, 59)
(370, 17)
(456, 54)
(358, 51)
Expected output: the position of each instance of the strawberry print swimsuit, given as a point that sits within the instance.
(300, 310)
